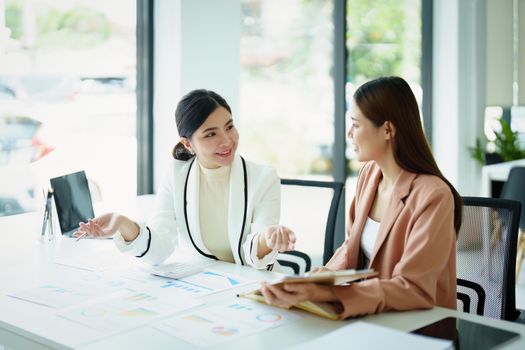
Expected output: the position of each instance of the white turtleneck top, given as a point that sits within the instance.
(214, 189)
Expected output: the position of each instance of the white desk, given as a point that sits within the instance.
(25, 261)
(496, 172)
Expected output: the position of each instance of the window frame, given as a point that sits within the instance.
(144, 91)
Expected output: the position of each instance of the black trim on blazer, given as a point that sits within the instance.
(186, 214)
(269, 267)
(243, 218)
(149, 244)
(245, 209)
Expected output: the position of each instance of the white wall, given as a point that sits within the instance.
(196, 46)
(458, 89)
(167, 88)
(211, 32)
(499, 67)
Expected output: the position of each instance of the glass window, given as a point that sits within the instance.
(383, 38)
(286, 100)
(67, 98)
(286, 87)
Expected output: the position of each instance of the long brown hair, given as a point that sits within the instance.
(391, 99)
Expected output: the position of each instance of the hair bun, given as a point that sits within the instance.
(181, 153)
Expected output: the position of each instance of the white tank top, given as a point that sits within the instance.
(368, 237)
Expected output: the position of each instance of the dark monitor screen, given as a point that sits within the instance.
(72, 200)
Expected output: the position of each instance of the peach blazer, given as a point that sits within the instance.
(415, 249)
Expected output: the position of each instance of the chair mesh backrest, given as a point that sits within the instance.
(486, 253)
(309, 209)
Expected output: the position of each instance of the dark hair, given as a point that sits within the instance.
(391, 99)
(192, 111)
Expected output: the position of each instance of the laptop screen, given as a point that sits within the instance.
(72, 200)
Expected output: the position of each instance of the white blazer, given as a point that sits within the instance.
(254, 204)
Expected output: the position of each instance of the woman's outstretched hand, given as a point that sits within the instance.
(276, 237)
(107, 225)
(279, 238)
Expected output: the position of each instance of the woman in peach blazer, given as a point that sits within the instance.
(403, 219)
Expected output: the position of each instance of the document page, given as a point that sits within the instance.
(197, 285)
(363, 335)
(123, 310)
(221, 323)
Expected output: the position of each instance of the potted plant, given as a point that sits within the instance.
(506, 146)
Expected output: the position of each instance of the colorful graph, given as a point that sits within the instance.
(187, 287)
(224, 322)
(124, 309)
(138, 313)
(231, 280)
(238, 306)
(211, 281)
(139, 297)
(269, 318)
(197, 318)
(224, 331)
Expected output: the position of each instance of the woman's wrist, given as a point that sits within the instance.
(262, 247)
(127, 228)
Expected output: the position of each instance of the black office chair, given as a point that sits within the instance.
(486, 255)
(514, 188)
(309, 208)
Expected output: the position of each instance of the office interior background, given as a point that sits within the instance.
(93, 85)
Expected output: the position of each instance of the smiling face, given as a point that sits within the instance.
(215, 141)
(368, 141)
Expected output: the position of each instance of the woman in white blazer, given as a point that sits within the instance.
(212, 203)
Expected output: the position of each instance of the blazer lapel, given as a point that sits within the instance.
(192, 196)
(401, 191)
(236, 207)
